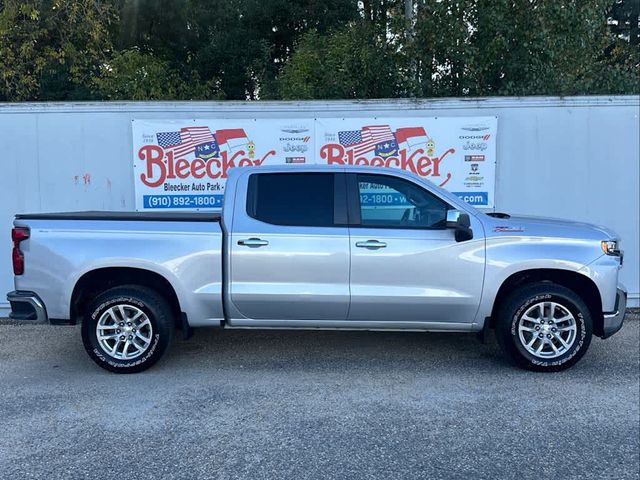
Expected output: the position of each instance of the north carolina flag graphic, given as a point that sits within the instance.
(412, 136)
(232, 138)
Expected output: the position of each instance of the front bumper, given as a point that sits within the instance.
(27, 306)
(613, 321)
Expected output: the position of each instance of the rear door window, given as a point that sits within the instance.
(293, 199)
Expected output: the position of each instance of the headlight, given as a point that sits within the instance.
(610, 247)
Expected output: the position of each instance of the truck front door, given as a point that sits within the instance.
(289, 248)
(406, 266)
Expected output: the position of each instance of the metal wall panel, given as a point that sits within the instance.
(575, 157)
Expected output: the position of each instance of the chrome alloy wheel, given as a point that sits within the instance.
(124, 332)
(547, 330)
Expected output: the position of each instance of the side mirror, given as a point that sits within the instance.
(462, 224)
(463, 229)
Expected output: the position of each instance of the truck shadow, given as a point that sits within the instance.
(313, 350)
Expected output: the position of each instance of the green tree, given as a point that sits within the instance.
(433, 48)
(132, 75)
(624, 20)
(350, 63)
(239, 45)
(51, 49)
(259, 49)
(441, 47)
(526, 47)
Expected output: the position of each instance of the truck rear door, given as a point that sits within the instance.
(289, 248)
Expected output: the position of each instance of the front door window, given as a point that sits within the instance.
(392, 202)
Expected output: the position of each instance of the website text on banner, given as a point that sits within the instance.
(183, 164)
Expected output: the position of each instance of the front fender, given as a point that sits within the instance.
(507, 256)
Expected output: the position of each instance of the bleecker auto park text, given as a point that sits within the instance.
(194, 187)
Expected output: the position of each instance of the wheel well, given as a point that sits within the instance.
(97, 281)
(583, 286)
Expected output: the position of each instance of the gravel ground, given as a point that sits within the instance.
(243, 404)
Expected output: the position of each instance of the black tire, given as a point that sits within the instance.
(160, 332)
(510, 317)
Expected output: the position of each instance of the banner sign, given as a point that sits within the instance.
(183, 164)
(456, 153)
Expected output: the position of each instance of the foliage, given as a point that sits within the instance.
(258, 49)
(548, 48)
(50, 49)
(132, 75)
(352, 63)
(623, 18)
(239, 44)
(469, 47)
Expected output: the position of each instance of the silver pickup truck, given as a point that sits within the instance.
(317, 247)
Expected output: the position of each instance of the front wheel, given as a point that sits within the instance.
(127, 328)
(544, 327)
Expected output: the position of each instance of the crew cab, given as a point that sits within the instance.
(320, 247)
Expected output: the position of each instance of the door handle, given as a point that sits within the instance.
(253, 242)
(371, 244)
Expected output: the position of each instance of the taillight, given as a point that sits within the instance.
(18, 234)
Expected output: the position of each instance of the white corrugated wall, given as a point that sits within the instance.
(575, 157)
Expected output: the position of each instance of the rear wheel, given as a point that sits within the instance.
(127, 328)
(544, 327)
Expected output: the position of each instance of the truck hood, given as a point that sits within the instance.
(526, 226)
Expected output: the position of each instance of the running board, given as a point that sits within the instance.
(351, 325)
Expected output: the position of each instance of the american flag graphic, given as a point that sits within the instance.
(365, 140)
(184, 142)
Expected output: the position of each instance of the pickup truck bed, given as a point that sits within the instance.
(126, 216)
(68, 253)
